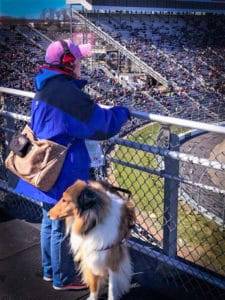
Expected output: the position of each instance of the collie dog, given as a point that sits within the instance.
(99, 222)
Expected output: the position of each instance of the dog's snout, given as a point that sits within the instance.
(51, 214)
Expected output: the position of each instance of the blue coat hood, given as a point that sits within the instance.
(45, 74)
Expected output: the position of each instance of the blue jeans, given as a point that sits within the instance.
(57, 260)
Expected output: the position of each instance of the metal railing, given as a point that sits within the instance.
(140, 115)
(175, 187)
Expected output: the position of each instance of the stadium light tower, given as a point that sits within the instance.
(80, 4)
(85, 4)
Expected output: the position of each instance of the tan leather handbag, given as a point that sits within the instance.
(42, 163)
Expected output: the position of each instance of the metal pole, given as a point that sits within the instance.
(85, 28)
(171, 187)
(16, 92)
(178, 122)
(10, 124)
(143, 115)
(118, 63)
(71, 21)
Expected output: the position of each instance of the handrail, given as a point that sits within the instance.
(16, 92)
(179, 122)
(140, 115)
(39, 32)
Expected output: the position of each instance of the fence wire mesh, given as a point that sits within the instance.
(199, 242)
(202, 207)
(136, 160)
(200, 210)
(12, 204)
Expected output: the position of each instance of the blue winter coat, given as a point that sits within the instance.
(61, 112)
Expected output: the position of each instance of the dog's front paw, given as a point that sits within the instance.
(92, 296)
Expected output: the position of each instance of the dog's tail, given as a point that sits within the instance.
(120, 280)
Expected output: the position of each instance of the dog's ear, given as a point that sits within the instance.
(75, 190)
(87, 199)
(98, 186)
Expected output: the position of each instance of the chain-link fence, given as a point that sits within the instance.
(12, 204)
(178, 192)
(176, 178)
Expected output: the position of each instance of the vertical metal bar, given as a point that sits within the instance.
(71, 21)
(10, 123)
(2, 144)
(118, 62)
(85, 36)
(171, 201)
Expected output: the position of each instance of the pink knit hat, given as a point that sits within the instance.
(55, 51)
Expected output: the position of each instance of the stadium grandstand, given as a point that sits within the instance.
(165, 61)
(148, 6)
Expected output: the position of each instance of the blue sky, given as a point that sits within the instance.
(27, 8)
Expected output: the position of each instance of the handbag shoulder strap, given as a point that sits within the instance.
(31, 135)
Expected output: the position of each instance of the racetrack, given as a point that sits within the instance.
(212, 147)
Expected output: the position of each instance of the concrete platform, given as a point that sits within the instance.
(20, 268)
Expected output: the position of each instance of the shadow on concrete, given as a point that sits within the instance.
(20, 268)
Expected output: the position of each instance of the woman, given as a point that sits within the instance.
(63, 113)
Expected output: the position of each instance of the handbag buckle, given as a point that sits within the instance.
(20, 144)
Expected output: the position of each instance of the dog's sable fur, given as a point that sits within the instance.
(99, 221)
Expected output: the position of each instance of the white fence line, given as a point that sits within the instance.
(142, 115)
(16, 92)
(179, 122)
(214, 164)
(162, 174)
(14, 115)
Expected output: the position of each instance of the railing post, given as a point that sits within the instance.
(71, 21)
(171, 187)
(10, 124)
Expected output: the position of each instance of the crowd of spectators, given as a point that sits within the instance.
(21, 59)
(173, 46)
(187, 50)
